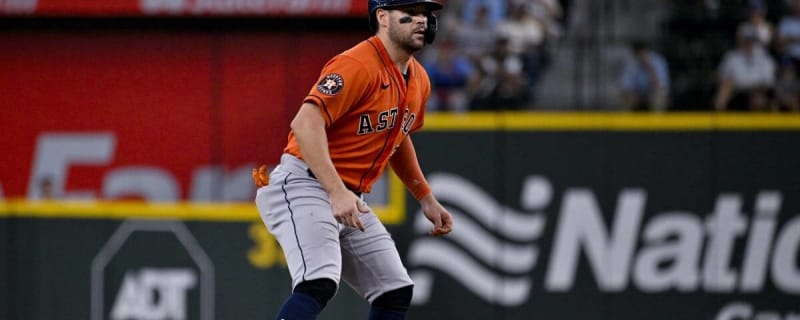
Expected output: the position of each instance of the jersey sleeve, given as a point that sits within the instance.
(406, 166)
(341, 84)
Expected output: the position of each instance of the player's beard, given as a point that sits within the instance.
(406, 41)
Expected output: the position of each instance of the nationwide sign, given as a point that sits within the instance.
(625, 217)
(676, 250)
(335, 8)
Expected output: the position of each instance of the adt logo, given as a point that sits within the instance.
(154, 294)
(152, 270)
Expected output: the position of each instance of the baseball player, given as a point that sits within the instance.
(356, 119)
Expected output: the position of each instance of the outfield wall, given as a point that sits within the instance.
(161, 115)
(557, 216)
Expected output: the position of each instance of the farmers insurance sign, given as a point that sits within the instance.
(141, 130)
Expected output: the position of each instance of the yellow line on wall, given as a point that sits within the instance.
(226, 212)
(609, 121)
(191, 211)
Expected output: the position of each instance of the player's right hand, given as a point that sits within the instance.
(347, 207)
(260, 176)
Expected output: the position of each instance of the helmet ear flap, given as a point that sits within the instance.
(432, 28)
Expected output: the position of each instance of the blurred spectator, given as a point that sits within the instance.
(526, 37)
(756, 20)
(450, 73)
(787, 89)
(548, 12)
(502, 83)
(522, 30)
(496, 10)
(645, 79)
(475, 39)
(789, 35)
(746, 75)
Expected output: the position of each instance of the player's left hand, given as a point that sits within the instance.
(260, 176)
(438, 215)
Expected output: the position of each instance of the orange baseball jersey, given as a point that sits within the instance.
(369, 109)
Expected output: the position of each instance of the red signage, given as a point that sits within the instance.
(184, 7)
(157, 116)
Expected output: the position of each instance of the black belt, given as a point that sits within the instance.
(311, 174)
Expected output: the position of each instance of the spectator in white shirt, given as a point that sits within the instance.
(746, 75)
(756, 19)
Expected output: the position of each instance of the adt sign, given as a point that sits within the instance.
(152, 270)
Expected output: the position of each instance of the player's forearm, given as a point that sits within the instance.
(405, 164)
(428, 201)
(309, 130)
